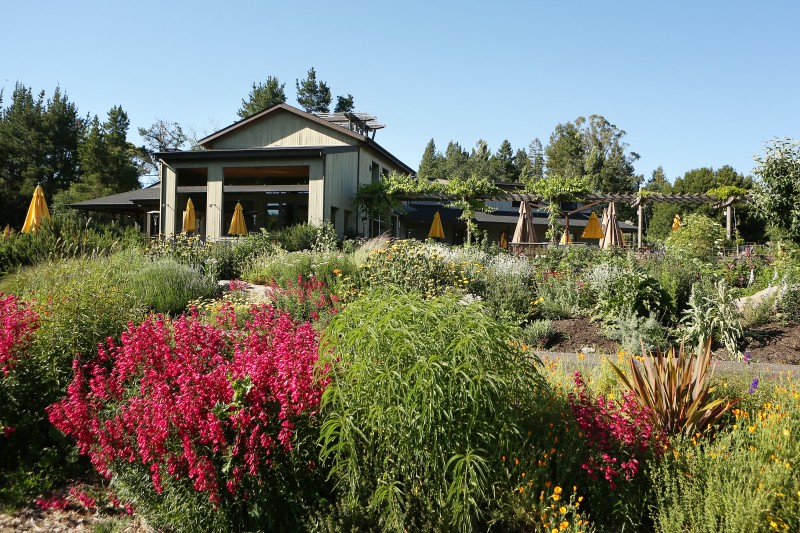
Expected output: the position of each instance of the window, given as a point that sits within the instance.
(334, 215)
(376, 171)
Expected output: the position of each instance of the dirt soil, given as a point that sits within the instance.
(771, 343)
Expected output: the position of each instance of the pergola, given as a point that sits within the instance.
(635, 200)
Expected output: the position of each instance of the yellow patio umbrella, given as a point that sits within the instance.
(189, 220)
(676, 223)
(238, 227)
(592, 229)
(566, 238)
(436, 232)
(503, 241)
(37, 211)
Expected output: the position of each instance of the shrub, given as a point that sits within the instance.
(284, 268)
(90, 302)
(216, 418)
(425, 398)
(698, 237)
(298, 237)
(540, 333)
(17, 324)
(743, 480)
(166, 286)
(562, 295)
(635, 334)
(626, 291)
(64, 237)
(712, 314)
(620, 439)
(305, 300)
(674, 387)
(410, 265)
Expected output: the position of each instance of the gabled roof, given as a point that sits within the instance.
(206, 141)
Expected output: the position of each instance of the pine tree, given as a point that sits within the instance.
(456, 162)
(480, 161)
(313, 96)
(503, 163)
(263, 96)
(431, 162)
(536, 156)
(344, 104)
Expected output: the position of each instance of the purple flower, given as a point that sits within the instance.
(753, 386)
(747, 356)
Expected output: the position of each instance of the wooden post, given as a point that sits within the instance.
(641, 218)
(729, 222)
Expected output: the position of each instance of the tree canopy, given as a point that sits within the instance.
(778, 191)
(313, 96)
(263, 96)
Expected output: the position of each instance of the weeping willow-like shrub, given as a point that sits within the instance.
(425, 398)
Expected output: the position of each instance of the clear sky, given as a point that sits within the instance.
(703, 83)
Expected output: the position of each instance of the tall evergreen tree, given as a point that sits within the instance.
(565, 153)
(38, 145)
(521, 163)
(344, 104)
(107, 160)
(313, 96)
(455, 163)
(429, 167)
(503, 163)
(263, 96)
(480, 161)
(536, 155)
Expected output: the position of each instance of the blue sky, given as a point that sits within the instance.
(692, 83)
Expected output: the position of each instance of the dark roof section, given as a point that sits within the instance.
(131, 200)
(313, 118)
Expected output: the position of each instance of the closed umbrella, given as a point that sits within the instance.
(566, 238)
(524, 232)
(503, 241)
(613, 235)
(37, 211)
(189, 220)
(676, 223)
(436, 232)
(238, 227)
(592, 229)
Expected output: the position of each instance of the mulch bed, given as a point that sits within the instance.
(771, 343)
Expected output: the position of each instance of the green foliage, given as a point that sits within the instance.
(298, 237)
(166, 286)
(417, 413)
(675, 275)
(674, 386)
(429, 165)
(625, 291)
(563, 294)
(284, 267)
(540, 333)
(694, 484)
(262, 96)
(344, 104)
(64, 237)
(409, 265)
(39, 142)
(699, 237)
(712, 314)
(778, 192)
(636, 334)
(92, 300)
(313, 96)
(556, 189)
(726, 191)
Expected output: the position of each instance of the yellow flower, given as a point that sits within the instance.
(564, 525)
(562, 510)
